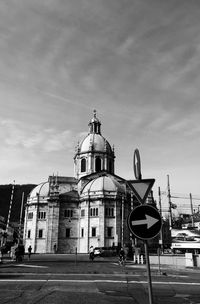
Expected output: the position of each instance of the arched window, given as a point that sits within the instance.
(110, 166)
(83, 165)
(98, 164)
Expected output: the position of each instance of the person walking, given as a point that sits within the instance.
(91, 253)
(29, 252)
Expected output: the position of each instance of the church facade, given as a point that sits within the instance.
(69, 214)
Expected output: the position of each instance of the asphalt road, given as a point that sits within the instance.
(74, 279)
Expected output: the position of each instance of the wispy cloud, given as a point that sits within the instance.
(16, 134)
(185, 127)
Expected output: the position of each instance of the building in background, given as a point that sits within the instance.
(65, 214)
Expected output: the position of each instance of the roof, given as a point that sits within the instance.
(95, 142)
(107, 184)
(70, 194)
(63, 179)
(40, 190)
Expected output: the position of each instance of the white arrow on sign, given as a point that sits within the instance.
(149, 221)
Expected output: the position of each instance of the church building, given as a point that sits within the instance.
(70, 214)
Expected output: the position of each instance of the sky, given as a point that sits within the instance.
(137, 62)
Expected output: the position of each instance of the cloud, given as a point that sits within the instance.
(124, 48)
(58, 141)
(185, 126)
(82, 135)
(18, 135)
(160, 120)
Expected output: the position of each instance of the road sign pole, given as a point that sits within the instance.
(150, 221)
(148, 272)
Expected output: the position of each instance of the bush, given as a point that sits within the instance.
(6, 248)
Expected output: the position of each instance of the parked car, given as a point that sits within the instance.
(108, 251)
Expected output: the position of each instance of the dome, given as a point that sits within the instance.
(94, 153)
(106, 184)
(42, 190)
(95, 142)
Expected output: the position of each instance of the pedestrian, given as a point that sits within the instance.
(91, 253)
(17, 254)
(122, 256)
(22, 251)
(29, 252)
(54, 248)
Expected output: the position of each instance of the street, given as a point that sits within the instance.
(74, 279)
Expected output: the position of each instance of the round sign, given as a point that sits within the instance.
(144, 222)
(137, 164)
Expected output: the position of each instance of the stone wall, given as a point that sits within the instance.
(177, 261)
(68, 244)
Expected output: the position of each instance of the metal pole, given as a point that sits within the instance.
(131, 200)
(132, 236)
(192, 212)
(159, 194)
(138, 175)
(170, 204)
(20, 219)
(10, 207)
(88, 232)
(158, 252)
(36, 222)
(148, 273)
(161, 232)
(122, 221)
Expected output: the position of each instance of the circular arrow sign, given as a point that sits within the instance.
(137, 164)
(144, 222)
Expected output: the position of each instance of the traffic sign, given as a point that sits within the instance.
(141, 188)
(144, 222)
(137, 164)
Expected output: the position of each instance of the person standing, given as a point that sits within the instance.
(29, 252)
(91, 253)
